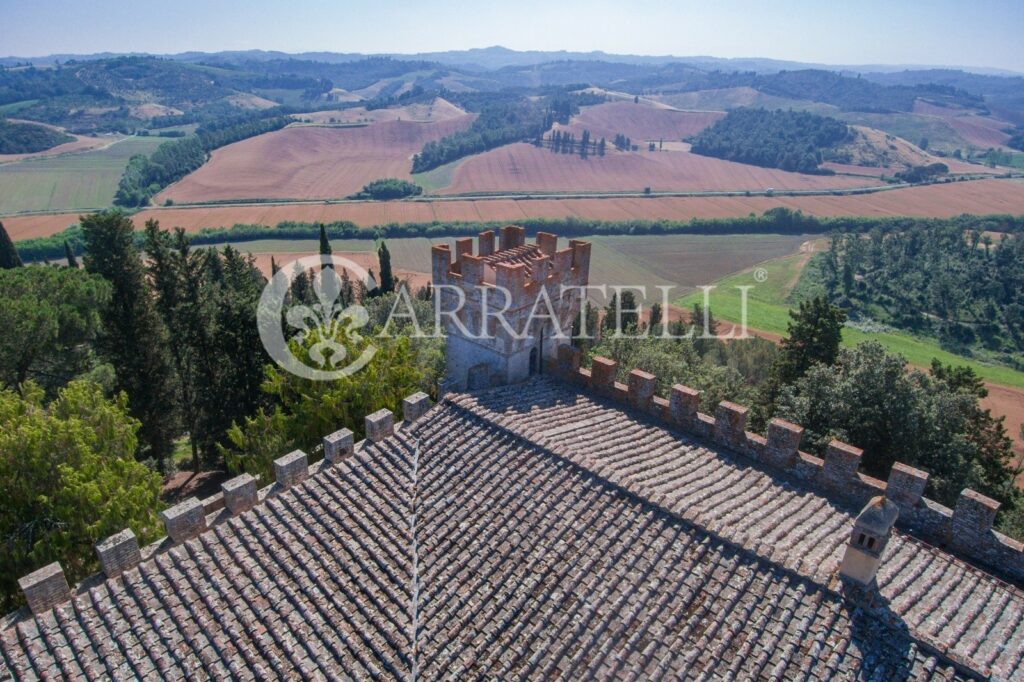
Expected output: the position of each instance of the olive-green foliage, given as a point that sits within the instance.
(815, 331)
(728, 370)
(49, 317)
(388, 188)
(964, 288)
(27, 138)
(208, 301)
(790, 140)
(68, 478)
(305, 410)
(931, 421)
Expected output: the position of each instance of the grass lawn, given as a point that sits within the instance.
(767, 310)
(69, 182)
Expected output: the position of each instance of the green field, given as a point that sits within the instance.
(768, 311)
(69, 182)
(438, 178)
(14, 107)
(682, 261)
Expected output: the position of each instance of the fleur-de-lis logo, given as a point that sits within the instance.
(319, 326)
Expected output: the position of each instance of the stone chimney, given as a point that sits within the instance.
(871, 532)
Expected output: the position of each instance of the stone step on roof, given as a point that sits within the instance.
(755, 507)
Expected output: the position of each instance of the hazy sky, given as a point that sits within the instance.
(941, 32)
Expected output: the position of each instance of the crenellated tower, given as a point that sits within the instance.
(511, 304)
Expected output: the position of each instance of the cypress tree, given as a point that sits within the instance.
(302, 287)
(134, 339)
(9, 257)
(325, 244)
(387, 278)
(274, 267)
(70, 255)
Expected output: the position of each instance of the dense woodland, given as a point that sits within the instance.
(26, 138)
(790, 140)
(923, 173)
(1016, 140)
(965, 288)
(102, 94)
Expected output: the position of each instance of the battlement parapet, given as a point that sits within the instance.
(967, 529)
(47, 587)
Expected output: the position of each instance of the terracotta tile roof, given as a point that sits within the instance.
(529, 532)
(525, 254)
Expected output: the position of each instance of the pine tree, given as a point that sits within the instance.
(387, 278)
(9, 257)
(134, 339)
(70, 255)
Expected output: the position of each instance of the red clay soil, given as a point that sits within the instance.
(640, 122)
(185, 484)
(979, 130)
(310, 162)
(1008, 402)
(523, 168)
(937, 201)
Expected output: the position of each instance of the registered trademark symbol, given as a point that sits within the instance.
(760, 275)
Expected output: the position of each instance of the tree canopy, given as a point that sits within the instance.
(68, 478)
(133, 338)
(50, 317)
(931, 421)
(790, 140)
(28, 138)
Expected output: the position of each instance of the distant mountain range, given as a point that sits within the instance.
(497, 57)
